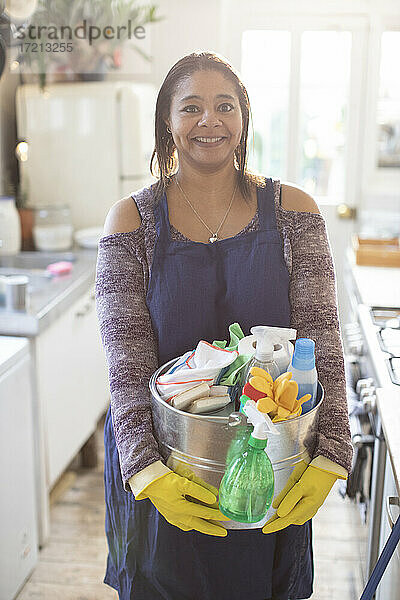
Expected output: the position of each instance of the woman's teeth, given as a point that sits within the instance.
(208, 140)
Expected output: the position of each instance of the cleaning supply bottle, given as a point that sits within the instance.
(264, 356)
(247, 487)
(243, 431)
(283, 348)
(304, 372)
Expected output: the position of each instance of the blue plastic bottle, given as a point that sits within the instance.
(304, 372)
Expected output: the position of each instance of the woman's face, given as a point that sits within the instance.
(205, 120)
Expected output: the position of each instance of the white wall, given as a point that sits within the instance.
(186, 26)
(189, 25)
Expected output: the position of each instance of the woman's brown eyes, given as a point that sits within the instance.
(225, 107)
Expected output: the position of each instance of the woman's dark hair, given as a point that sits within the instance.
(164, 157)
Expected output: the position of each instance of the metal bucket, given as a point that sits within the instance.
(202, 443)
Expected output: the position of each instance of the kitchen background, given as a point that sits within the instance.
(324, 86)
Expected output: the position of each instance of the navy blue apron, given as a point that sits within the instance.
(195, 292)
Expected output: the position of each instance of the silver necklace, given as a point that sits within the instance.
(214, 236)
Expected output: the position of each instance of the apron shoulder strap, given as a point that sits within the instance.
(147, 205)
(266, 205)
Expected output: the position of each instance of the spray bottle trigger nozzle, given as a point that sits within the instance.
(272, 429)
(263, 426)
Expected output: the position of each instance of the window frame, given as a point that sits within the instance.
(377, 180)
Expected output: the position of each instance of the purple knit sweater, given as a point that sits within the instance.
(122, 276)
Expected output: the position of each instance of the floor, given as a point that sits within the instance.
(72, 565)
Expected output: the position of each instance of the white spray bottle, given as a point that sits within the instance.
(264, 355)
(283, 349)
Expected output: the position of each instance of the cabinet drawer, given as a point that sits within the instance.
(72, 383)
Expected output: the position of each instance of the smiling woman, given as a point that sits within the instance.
(201, 97)
(202, 117)
(209, 244)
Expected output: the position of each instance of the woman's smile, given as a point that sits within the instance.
(210, 142)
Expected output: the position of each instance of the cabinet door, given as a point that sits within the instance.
(72, 382)
(389, 587)
(18, 554)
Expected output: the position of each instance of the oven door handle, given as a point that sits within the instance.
(382, 562)
(377, 434)
(391, 501)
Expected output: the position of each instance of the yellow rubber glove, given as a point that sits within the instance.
(184, 471)
(293, 479)
(168, 494)
(299, 502)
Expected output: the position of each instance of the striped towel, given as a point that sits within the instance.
(202, 364)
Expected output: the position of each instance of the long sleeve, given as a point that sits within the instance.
(314, 314)
(130, 347)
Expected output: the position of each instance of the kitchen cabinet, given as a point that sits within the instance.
(18, 516)
(72, 383)
(389, 587)
(68, 373)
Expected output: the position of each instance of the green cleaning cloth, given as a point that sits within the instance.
(233, 373)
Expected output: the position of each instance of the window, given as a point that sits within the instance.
(266, 74)
(388, 105)
(324, 94)
(299, 89)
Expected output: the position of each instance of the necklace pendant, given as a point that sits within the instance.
(213, 238)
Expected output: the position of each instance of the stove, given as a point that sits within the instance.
(372, 345)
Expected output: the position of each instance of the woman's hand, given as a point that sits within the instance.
(184, 471)
(299, 501)
(169, 495)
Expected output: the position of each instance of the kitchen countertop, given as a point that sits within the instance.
(50, 296)
(389, 409)
(376, 286)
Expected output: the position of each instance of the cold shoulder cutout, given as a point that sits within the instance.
(293, 198)
(123, 217)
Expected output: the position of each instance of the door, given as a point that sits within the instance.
(72, 155)
(88, 145)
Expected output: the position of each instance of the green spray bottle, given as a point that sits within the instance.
(247, 487)
(239, 443)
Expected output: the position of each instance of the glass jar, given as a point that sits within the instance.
(52, 229)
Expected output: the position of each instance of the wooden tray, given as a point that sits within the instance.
(376, 252)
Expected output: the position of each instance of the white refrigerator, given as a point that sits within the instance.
(89, 144)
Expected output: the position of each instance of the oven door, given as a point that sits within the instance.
(360, 387)
(389, 587)
(373, 361)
